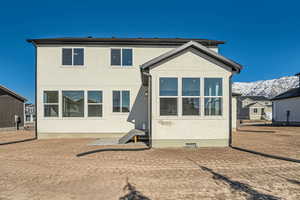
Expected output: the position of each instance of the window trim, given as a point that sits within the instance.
(121, 66)
(87, 104)
(121, 101)
(174, 97)
(84, 103)
(190, 97)
(221, 97)
(49, 117)
(73, 66)
(180, 115)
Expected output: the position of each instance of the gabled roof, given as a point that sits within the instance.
(256, 104)
(295, 92)
(124, 41)
(6, 90)
(255, 98)
(192, 44)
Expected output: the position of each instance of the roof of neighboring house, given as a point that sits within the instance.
(255, 98)
(124, 41)
(295, 92)
(236, 94)
(257, 104)
(192, 44)
(6, 90)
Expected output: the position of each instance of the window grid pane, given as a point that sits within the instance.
(190, 86)
(190, 106)
(94, 96)
(168, 106)
(125, 101)
(67, 56)
(213, 87)
(50, 96)
(73, 103)
(116, 101)
(95, 110)
(51, 110)
(127, 57)
(213, 106)
(115, 57)
(78, 56)
(168, 87)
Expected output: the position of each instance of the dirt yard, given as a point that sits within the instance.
(69, 169)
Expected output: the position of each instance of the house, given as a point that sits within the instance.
(254, 108)
(286, 107)
(176, 90)
(11, 109)
(29, 112)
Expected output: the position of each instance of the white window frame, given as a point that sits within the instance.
(84, 103)
(121, 101)
(182, 97)
(222, 97)
(121, 58)
(51, 104)
(87, 101)
(72, 65)
(175, 97)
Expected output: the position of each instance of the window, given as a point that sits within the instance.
(168, 92)
(73, 103)
(255, 110)
(213, 96)
(51, 103)
(121, 101)
(95, 104)
(73, 56)
(262, 111)
(190, 96)
(121, 57)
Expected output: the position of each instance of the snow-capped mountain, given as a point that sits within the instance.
(267, 88)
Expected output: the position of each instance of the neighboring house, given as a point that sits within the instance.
(11, 107)
(254, 108)
(29, 112)
(286, 106)
(177, 90)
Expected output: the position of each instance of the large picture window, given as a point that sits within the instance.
(190, 96)
(95, 107)
(72, 56)
(121, 101)
(51, 104)
(121, 57)
(168, 100)
(213, 93)
(73, 103)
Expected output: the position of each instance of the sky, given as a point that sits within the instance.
(263, 36)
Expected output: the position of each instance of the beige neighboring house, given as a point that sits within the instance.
(176, 91)
(254, 108)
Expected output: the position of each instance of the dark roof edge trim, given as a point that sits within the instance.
(13, 93)
(192, 44)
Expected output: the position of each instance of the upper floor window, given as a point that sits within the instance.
(73, 56)
(213, 96)
(121, 57)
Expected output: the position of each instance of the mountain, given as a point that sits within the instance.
(267, 88)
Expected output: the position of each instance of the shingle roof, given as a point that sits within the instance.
(124, 41)
(255, 98)
(192, 44)
(295, 92)
(12, 93)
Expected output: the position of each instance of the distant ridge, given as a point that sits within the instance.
(267, 88)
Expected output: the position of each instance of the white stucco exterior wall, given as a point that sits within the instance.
(280, 108)
(170, 129)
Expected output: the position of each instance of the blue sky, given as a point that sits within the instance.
(264, 36)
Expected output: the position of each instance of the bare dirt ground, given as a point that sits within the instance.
(52, 169)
